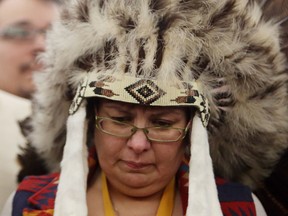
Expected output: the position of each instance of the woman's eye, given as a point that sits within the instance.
(162, 123)
(121, 119)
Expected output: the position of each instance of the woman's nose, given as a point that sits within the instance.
(139, 142)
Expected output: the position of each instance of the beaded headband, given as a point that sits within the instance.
(137, 90)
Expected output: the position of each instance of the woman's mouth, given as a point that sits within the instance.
(136, 165)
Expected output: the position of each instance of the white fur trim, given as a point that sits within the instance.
(71, 194)
(203, 198)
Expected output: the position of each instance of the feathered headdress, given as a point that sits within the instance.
(227, 47)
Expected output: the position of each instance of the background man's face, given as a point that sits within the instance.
(17, 56)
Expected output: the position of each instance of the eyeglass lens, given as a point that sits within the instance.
(122, 129)
(21, 32)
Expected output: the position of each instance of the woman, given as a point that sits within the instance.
(138, 163)
(141, 74)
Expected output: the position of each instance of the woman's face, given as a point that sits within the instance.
(136, 166)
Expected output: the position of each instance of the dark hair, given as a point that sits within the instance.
(90, 116)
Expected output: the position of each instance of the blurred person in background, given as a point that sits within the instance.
(23, 24)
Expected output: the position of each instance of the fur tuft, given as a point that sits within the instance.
(31, 162)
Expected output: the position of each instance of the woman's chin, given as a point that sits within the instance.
(136, 180)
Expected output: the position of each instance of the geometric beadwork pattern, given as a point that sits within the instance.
(137, 90)
(145, 91)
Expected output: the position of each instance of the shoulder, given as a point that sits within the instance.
(19, 106)
(273, 192)
(233, 191)
(235, 198)
(34, 183)
(259, 207)
(7, 208)
(35, 192)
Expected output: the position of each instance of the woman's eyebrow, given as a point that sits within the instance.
(120, 108)
(167, 111)
(167, 116)
(128, 108)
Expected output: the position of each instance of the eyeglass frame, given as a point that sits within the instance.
(145, 130)
(13, 32)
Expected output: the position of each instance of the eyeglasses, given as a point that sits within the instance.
(126, 130)
(16, 32)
